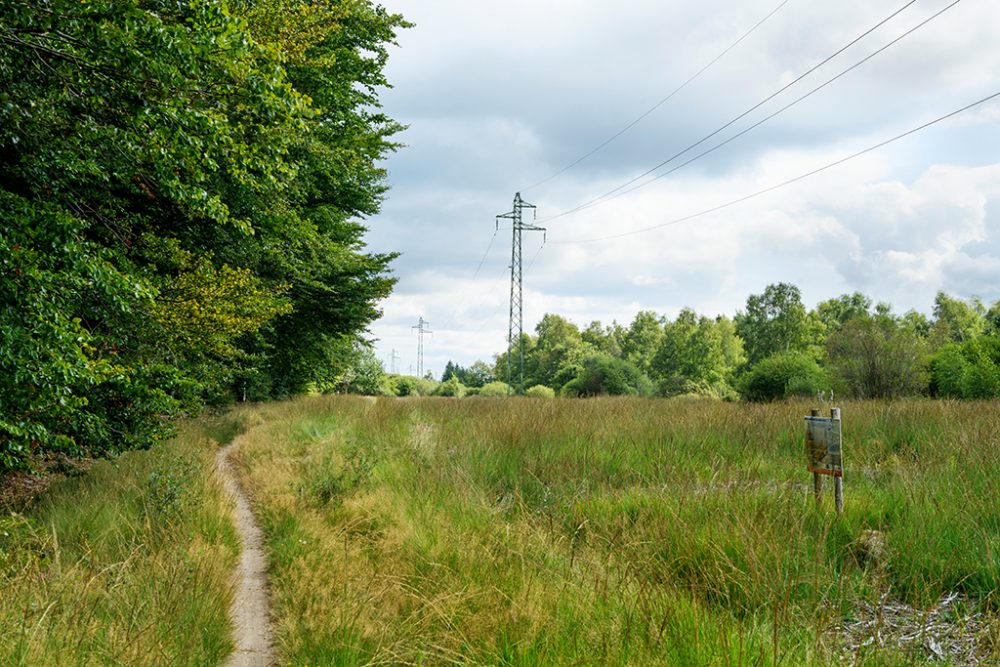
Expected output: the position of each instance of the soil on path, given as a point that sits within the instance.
(250, 613)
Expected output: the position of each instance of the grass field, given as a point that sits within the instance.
(617, 531)
(128, 564)
(526, 532)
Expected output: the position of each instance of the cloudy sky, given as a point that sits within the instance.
(498, 97)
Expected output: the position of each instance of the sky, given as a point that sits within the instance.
(499, 98)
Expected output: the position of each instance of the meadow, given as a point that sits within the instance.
(623, 531)
(129, 563)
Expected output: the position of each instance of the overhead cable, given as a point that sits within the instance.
(753, 108)
(663, 101)
(790, 181)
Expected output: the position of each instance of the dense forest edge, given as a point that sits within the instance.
(181, 185)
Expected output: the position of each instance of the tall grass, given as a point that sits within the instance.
(610, 531)
(129, 564)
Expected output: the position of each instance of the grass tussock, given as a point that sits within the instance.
(129, 564)
(617, 531)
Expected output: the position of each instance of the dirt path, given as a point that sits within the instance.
(250, 613)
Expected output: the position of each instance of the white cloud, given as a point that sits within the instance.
(499, 97)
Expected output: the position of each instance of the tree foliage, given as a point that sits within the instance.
(698, 355)
(776, 321)
(180, 184)
(878, 357)
(602, 375)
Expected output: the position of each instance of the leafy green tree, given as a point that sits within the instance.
(192, 174)
(698, 355)
(992, 320)
(878, 357)
(835, 313)
(956, 321)
(559, 344)
(367, 377)
(642, 340)
(608, 340)
(478, 374)
(776, 321)
(917, 323)
(451, 370)
(511, 366)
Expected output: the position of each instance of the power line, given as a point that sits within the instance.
(534, 257)
(756, 106)
(475, 275)
(784, 183)
(784, 108)
(486, 320)
(663, 101)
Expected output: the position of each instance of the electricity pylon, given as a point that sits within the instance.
(515, 327)
(393, 358)
(419, 326)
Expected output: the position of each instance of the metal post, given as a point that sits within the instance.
(817, 478)
(838, 481)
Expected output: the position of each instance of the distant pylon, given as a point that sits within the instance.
(515, 326)
(393, 358)
(419, 326)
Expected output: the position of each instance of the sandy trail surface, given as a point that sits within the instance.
(250, 613)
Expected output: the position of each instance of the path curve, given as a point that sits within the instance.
(250, 612)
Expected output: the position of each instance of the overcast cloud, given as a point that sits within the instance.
(499, 96)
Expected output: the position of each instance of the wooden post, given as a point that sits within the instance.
(838, 482)
(817, 478)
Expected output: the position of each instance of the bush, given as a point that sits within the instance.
(605, 375)
(540, 391)
(947, 371)
(967, 370)
(452, 388)
(782, 375)
(496, 388)
(425, 387)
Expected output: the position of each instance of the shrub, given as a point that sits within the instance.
(451, 388)
(967, 370)
(782, 375)
(947, 371)
(496, 388)
(540, 391)
(405, 385)
(605, 375)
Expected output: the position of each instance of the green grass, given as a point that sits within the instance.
(610, 531)
(129, 564)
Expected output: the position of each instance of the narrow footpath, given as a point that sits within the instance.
(250, 613)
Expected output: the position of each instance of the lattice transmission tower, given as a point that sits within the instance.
(515, 328)
(419, 326)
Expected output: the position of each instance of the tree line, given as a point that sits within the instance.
(771, 349)
(180, 189)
